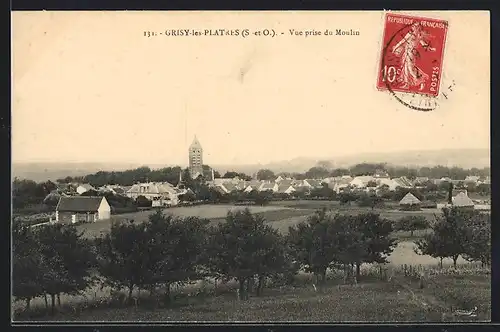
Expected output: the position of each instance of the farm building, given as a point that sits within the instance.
(75, 209)
(410, 202)
(462, 200)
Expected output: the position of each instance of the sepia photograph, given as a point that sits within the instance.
(293, 166)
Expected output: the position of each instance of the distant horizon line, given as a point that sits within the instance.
(324, 158)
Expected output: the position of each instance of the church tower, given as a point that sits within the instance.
(195, 158)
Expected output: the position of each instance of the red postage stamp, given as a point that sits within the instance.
(412, 54)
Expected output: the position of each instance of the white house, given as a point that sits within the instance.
(361, 181)
(472, 179)
(160, 193)
(387, 182)
(84, 188)
(75, 209)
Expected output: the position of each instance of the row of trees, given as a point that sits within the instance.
(27, 192)
(322, 170)
(459, 232)
(325, 169)
(166, 250)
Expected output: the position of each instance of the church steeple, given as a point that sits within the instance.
(195, 158)
(195, 144)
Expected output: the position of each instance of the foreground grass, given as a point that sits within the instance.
(398, 300)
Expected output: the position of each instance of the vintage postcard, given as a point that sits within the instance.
(251, 166)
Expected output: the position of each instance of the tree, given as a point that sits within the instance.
(233, 174)
(325, 164)
(340, 172)
(450, 193)
(188, 196)
(366, 169)
(26, 264)
(478, 244)
(244, 247)
(66, 260)
(263, 197)
(323, 192)
(367, 200)
(313, 244)
(449, 235)
(317, 172)
(142, 201)
(347, 197)
(187, 181)
(265, 174)
(431, 245)
(376, 238)
(123, 257)
(174, 250)
(411, 224)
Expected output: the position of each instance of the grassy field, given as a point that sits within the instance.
(398, 300)
(402, 254)
(281, 214)
(214, 212)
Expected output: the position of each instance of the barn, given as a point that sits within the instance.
(75, 209)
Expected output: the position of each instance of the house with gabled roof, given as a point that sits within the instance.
(73, 209)
(462, 200)
(339, 184)
(410, 202)
(159, 193)
(285, 189)
(286, 182)
(390, 183)
(420, 180)
(279, 179)
(313, 183)
(228, 187)
(269, 187)
(361, 181)
(253, 185)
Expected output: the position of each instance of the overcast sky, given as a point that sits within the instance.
(89, 87)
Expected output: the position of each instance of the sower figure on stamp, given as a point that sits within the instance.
(406, 48)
